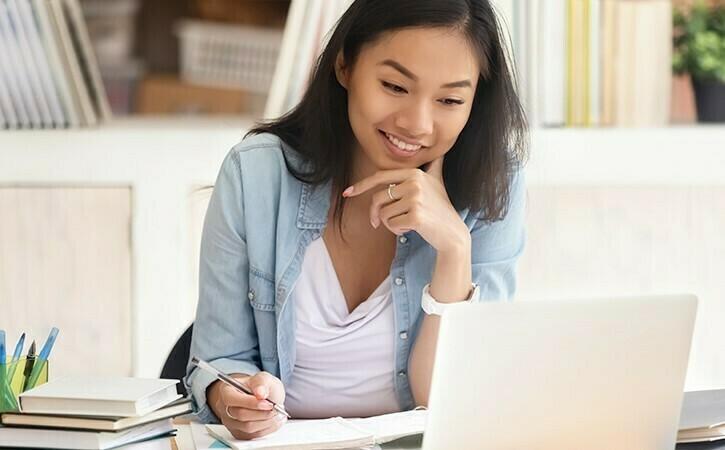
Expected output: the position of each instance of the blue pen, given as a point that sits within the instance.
(42, 358)
(16, 356)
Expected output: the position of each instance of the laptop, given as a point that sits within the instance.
(561, 375)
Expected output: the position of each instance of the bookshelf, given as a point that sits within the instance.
(163, 160)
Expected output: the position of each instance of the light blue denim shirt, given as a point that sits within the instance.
(257, 228)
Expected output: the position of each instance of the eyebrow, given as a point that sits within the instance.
(399, 67)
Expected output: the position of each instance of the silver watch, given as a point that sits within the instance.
(431, 306)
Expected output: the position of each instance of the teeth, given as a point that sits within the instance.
(402, 145)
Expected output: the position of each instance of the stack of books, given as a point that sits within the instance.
(49, 76)
(95, 413)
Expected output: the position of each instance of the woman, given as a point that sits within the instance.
(393, 186)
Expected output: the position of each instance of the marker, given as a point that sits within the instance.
(18, 348)
(2, 355)
(16, 356)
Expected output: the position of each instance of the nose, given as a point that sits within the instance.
(416, 120)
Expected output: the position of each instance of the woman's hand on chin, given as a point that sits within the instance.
(418, 201)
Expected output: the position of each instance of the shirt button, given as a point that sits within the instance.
(398, 281)
(250, 295)
(403, 239)
(403, 335)
(401, 374)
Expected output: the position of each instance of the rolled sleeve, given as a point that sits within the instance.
(497, 246)
(224, 331)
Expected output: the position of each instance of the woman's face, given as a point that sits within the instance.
(414, 85)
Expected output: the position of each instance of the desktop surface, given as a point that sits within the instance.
(184, 441)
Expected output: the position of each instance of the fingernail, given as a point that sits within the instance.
(264, 405)
(347, 191)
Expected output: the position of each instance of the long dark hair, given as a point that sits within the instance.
(492, 145)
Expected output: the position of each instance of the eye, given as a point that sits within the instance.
(393, 87)
(452, 101)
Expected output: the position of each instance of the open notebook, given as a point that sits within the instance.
(333, 433)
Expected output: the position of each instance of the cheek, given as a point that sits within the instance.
(372, 107)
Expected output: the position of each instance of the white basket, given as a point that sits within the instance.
(237, 56)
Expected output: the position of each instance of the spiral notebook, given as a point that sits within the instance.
(333, 433)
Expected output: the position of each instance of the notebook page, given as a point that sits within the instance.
(332, 433)
(389, 427)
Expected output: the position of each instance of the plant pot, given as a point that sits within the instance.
(710, 100)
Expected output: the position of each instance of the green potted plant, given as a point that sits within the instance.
(699, 50)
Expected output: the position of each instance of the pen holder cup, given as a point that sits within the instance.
(15, 379)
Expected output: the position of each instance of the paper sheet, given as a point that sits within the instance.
(389, 427)
(298, 433)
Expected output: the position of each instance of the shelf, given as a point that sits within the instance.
(131, 150)
(655, 156)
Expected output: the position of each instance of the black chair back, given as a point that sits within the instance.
(175, 365)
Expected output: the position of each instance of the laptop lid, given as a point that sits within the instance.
(571, 374)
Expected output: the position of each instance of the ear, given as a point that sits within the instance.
(341, 70)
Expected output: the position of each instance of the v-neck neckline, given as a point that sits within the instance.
(331, 267)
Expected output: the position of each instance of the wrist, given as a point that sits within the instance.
(458, 245)
(213, 397)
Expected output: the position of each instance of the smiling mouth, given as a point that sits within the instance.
(400, 144)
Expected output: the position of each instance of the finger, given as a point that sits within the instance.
(381, 199)
(392, 211)
(232, 397)
(435, 168)
(402, 223)
(265, 385)
(385, 177)
(249, 415)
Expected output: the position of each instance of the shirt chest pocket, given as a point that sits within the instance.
(261, 298)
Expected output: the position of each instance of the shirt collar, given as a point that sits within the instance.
(314, 202)
(314, 205)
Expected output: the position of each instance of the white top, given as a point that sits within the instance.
(345, 362)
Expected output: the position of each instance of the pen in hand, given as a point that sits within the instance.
(233, 383)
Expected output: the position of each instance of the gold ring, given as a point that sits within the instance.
(390, 191)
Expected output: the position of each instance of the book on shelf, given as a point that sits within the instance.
(307, 27)
(49, 76)
(591, 62)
